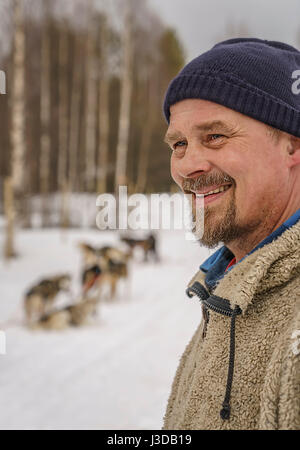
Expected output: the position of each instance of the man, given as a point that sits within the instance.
(234, 131)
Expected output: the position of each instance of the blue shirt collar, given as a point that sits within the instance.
(215, 266)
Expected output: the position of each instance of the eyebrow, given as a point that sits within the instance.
(206, 126)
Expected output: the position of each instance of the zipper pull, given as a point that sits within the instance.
(198, 290)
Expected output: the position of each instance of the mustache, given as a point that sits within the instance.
(207, 180)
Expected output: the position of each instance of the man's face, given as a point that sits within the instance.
(215, 147)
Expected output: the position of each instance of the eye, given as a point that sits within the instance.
(215, 137)
(178, 144)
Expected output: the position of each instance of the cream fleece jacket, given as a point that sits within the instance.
(266, 382)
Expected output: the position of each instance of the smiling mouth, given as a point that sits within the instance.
(204, 198)
(214, 192)
(207, 193)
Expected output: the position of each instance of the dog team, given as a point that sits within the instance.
(102, 270)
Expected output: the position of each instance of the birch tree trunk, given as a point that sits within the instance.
(9, 212)
(45, 119)
(103, 111)
(18, 100)
(146, 139)
(126, 89)
(63, 126)
(13, 185)
(91, 105)
(75, 117)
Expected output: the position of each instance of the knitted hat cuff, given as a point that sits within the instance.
(234, 94)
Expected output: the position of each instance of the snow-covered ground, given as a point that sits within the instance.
(114, 373)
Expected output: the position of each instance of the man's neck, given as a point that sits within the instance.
(241, 247)
(244, 245)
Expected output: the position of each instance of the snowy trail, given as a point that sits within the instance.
(115, 373)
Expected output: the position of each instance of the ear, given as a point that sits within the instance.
(293, 150)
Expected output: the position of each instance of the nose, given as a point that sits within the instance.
(191, 165)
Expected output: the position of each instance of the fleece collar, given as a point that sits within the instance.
(216, 265)
(268, 267)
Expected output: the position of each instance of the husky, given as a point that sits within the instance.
(99, 256)
(148, 246)
(115, 271)
(114, 254)
(89, 277)
(72, 315)
(96, 277)
(89, 254)
(83, 310)
(40, 298)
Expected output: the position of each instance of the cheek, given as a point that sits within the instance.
(174, 171)
(258, 183)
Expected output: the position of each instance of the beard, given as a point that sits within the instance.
(213, 225)
(221, 226)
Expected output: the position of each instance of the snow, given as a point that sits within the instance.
(113, 373)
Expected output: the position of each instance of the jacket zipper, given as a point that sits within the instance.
(204, 296)
(217, 309)
(208, 303)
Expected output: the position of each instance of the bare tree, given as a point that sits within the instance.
(103, 109)
(91, 103)
(63, 123)
(18, 100)
(45, 116)
(13, 185)
(9, 212)
(147, 69)
(146, 136)
(77, 78)
(6, 26)
(125, 101)
(82, 111)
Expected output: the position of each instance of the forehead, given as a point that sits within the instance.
(201, 111)
(195, 115)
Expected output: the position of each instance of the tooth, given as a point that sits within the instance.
(216, 191)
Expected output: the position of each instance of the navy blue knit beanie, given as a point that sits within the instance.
(255, 77)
